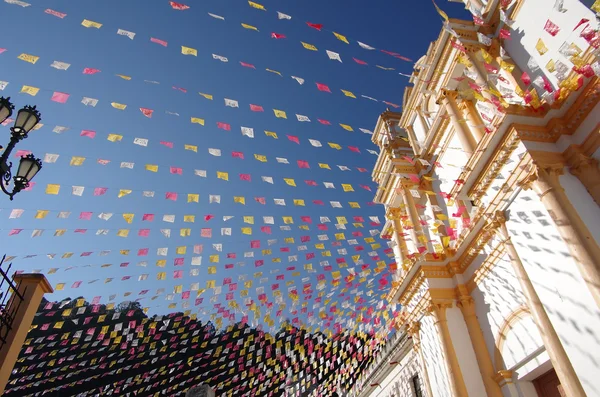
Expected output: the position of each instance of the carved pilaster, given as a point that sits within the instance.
(586, 169)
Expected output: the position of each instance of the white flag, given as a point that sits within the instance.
(281, 15)
(201, 173)
(216, 16)
(140, 141)
(166, 232)
(105, 215)
(214, 198)
(247, 131)
(335, 204)
(279, 201)
(298, 79)
(225, 231)
(50, 158)
(315, 143)
(162, 251)
(231, 103)
(329, 185)
(364, 130)
(269, 220)
(220, 58)
(365, 46)
(334, 56)
(60, 65)
(214, 152)
(122, 32)
(302, 118)
(16, 213)
(77, 190)
(18, 3)
(89, 101)
(148, 193)
(267, 179)
(3, 85)
(127, 164)
(169, 218)
(282, 160)
(60, 129)
(196, 261)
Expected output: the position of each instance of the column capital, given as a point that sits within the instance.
(438, 309)
(447, 94)
(542, 178)
(466, 304)
(503, 376)
(580, 163)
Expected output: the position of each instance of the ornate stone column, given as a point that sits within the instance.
(467, 141)
(504, 378)
(580, 242)
(586, 170)
(558, 356)
(484, 361)
(455, 378)
(399, 239)
(475, 121)
(413, 215)
(415, 332)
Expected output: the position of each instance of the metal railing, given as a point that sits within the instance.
(10, 301)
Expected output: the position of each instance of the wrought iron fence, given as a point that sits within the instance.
(10, 301)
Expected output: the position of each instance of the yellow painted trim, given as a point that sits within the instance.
(514, 317)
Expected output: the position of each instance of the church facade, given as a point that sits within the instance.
(491, 185)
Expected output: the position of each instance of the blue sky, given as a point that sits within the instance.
(406, 28)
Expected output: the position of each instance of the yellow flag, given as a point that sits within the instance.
(193, 198)
(52, 189)
(349, 94)
(123, 193)
(77, 161)
(346, 127)
(189, 218)
(161, 276)
(440, 11)
(299, 202)
(596, 6)
(239, 199)
(353, 204)
(271, 134)
(189, 51)
(223, 175)
(249, 219)
(334, 146)
(181, 250)
(119, 106)
(185, 232)
(246, 26)
(341, 37)
(347, 187)
(551, 66)
(196, 120)
(261, 158)
(26, 89)
(152, 167)
(486, 56)
(290, 181)
(541, 47)
(212, 269)
(247, 230)
(280, 114)
(161, 262)
(91, 24)
(41, 214)
(123, 232)
(507, 66)
(325, 166)
(191, 147)
(207, 96)
(128, 217)
(114, 137)
(309, 46)
(257, 6)
(124, 77)
(288, 220)
(28, 58)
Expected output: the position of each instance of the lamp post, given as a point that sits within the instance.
(29, 166)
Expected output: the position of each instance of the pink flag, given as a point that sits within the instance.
(391, 104)
(171, 196)
(361, 169)
(354, 149)
(21, 153)
(178, 6)
(256, 108)
(180, 89)
(247, 65)
(238, 155)
(144, 232)
(14, 232)
(55, 13)
(99, 191)
(206, 232)
(103, 161)
(86, 216)
(551, 28)
(318, 202)
(223, 126)
(294, 139)
(60, 97)
(324, 122)
(323, 87)
(504, 34)
(143, 252)
(147, 112)
(158, 41)
(90, 71)
(260, 200)
(360, 62)
(277, 36)
(148, 217)
(167, 144)
(245, 177)
(178, 274)
(584, 20)
(176, 170)
(525, 78)
(365, 187)
(90, 134)
(303, 164)
(208, 217)
(255, 244)
(310, 183)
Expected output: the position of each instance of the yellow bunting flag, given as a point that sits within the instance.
(271, 134)
(128, 217)
(288, 220)
(280, 114)
(274, 71)
(77, 161)
(123, 193)
(309, 46)
(114, 137)
(299, 202)
(334, 146)
(189, 218)
(152, 167)
(541, 47)
(91, 24)
(189, 51)
(28, 58)
(41, 214)
(261, 158)
(26, 89)
(223, 175)
(193, 198)
(257, 6)
(123, 232)
(124, 77)
(193, 148)
(341, 37)
(207, 96)
(52, 188)
(247, 230)
(354, 204)
(250, 27)
(440, 11)
(290, 181)
(119, 106)
(239, 199)
(349, 94)
(486, 56)
(325, 166)
(196, 120)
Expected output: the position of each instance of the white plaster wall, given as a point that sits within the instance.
(452, 161)
(582, 201)
(529, 27)
(434, 360)
(464, 352)
(559, 285)
(398, 382)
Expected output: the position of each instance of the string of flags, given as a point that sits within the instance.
(190, 51)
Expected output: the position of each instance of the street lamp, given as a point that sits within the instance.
(29, 166)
